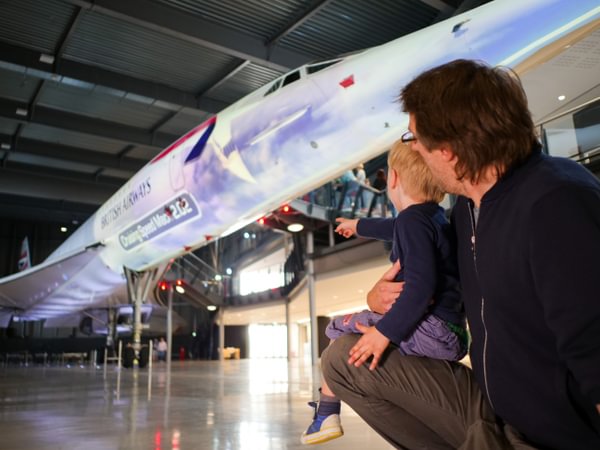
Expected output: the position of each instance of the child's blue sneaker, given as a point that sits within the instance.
(323, 428)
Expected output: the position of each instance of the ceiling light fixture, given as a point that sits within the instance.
(212, 308)
(47, 59)
(295, 227)
(21, 112)
(561, 97)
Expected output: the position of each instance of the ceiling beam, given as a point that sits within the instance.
(35, 209)
(44, 115)
(36, 95)
(467, 5)
(313, 8)
(226, 76)
(68, 34)
(441, 6)
(197, 30)
(30, 59)
(55, 184)
(71, 154)
(446, 13)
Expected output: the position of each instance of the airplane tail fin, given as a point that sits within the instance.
(24, 258)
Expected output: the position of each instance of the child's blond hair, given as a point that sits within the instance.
(415, 177)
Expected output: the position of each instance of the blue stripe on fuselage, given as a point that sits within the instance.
(199, 147)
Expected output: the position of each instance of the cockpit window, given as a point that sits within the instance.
(320, 66)
(273, 88)
(294, 76)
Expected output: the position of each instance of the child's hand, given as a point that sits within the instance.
(346, 227)
(372, 343)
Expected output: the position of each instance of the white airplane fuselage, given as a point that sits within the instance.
(267, 149)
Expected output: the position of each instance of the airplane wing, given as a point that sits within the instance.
(46, 284)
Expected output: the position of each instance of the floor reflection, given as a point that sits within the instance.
(234, 404)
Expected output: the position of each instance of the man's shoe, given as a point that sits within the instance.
(322, 429)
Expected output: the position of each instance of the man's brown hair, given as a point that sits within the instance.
(480, 111)
(415, 177)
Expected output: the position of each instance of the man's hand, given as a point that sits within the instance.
(372, 342)
(346, 227)
(385, 292)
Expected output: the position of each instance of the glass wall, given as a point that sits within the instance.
(575, 135)
(268, 273)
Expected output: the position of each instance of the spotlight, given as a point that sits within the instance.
(295, 227)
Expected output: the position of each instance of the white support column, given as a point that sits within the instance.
(221, 333)
(169, 326)
(314, 336)
(137, 326)
(288, 324)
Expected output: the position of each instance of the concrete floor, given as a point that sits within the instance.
(238, 404)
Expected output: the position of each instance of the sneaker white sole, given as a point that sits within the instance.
(321, 436)
(331, 428)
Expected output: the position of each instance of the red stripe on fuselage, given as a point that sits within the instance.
(183, 138)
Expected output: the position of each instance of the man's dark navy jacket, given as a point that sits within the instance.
(530, 277)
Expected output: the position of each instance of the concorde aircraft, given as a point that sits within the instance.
(278, 142)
